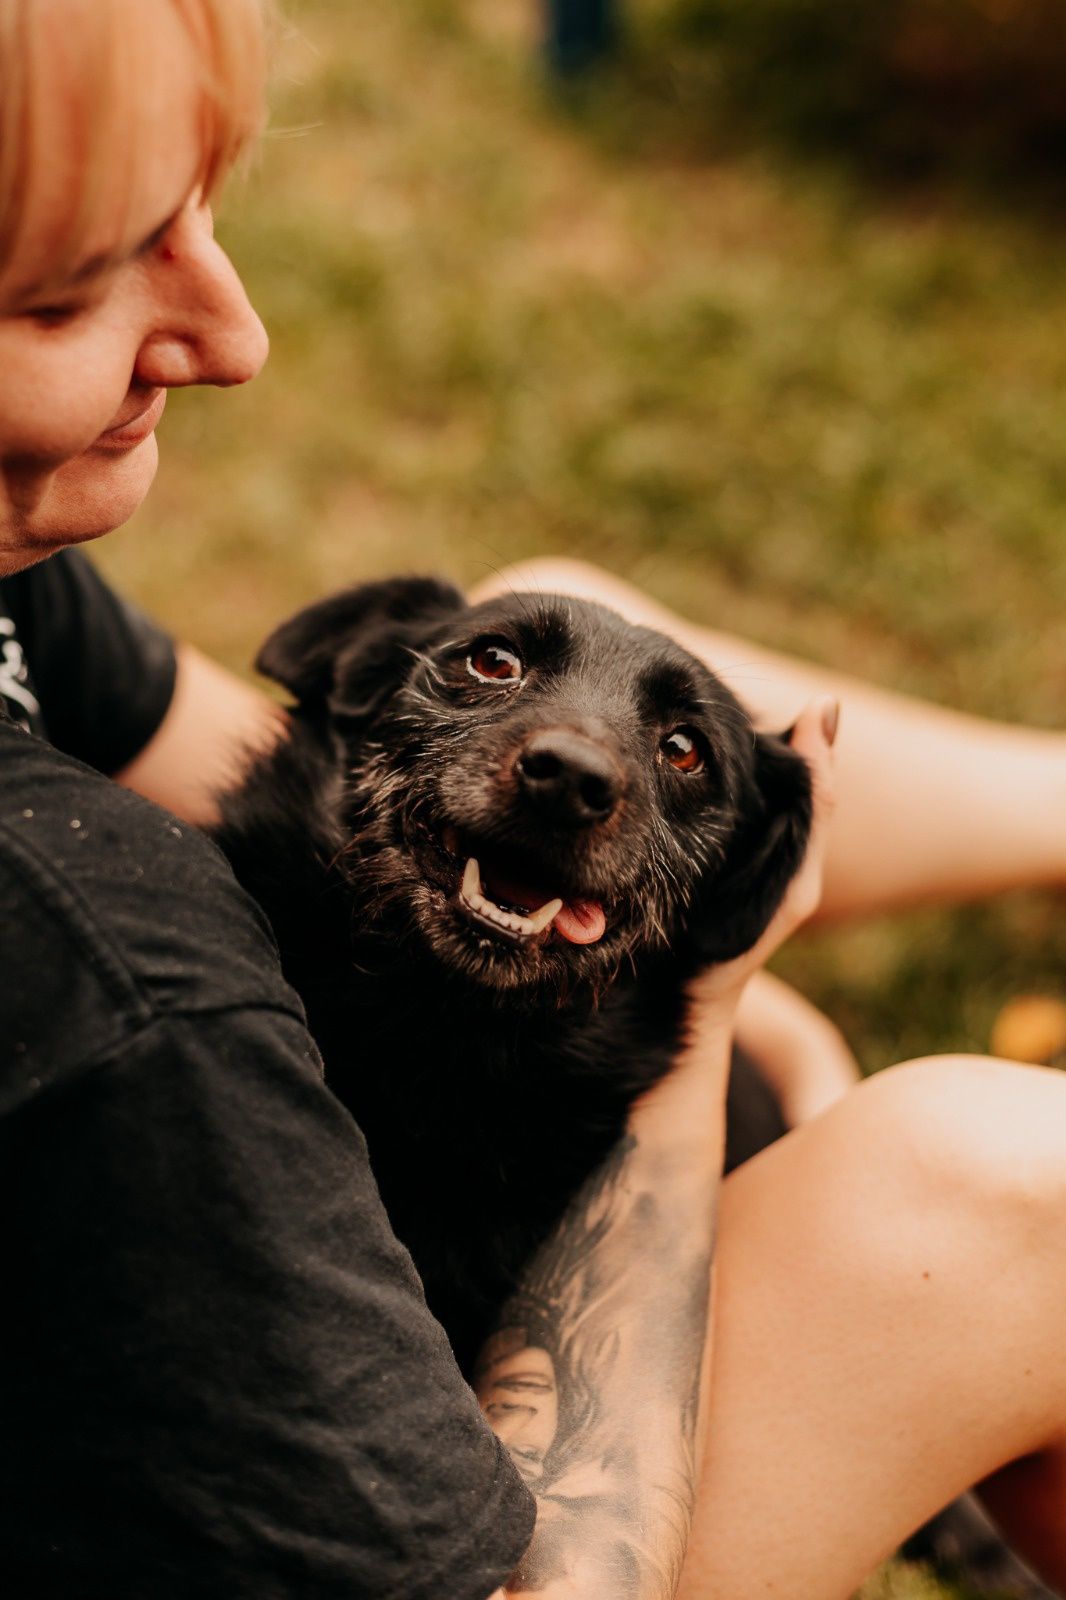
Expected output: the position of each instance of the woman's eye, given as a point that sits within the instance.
(494, 662)
(54, 316)
(682, 750)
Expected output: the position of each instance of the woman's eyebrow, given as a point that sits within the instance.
(104, 260)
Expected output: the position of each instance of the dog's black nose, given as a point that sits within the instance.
(569, 778)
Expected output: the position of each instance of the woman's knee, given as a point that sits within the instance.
(978, 1133)
(928, 1204)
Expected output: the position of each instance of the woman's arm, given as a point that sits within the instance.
(215, 725)
(596, 1376)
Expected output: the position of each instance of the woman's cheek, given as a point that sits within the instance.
(63, 390)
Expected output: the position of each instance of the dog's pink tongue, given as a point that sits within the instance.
(581, 921)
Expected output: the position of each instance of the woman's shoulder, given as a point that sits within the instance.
(113, 911)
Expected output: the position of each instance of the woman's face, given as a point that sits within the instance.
(153, 304)
(520, 1398)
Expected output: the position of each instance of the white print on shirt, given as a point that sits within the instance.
(13, 674)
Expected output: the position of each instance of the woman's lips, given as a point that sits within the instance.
(127, 435)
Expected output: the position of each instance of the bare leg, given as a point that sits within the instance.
(888, 1330)
(932, 805)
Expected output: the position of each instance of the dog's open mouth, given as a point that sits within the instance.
(496, 897)
(505, 908)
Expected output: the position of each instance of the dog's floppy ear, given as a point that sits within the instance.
(736, 904)
(350, 651)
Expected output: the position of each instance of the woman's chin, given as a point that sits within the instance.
(93, 495)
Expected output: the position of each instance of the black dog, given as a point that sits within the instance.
(495, 847)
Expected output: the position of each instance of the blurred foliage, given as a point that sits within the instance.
(812, 408)
(895, 87)
(903, 1581)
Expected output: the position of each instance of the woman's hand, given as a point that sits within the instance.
(719, 989)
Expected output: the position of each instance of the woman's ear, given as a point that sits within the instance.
(736, 904)
(348, 652)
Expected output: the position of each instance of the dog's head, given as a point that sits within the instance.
(535, 790)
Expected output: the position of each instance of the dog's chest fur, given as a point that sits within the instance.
(481, 1128)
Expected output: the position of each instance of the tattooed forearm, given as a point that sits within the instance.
(593, 1380)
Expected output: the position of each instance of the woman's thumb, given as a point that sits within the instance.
(813, 737)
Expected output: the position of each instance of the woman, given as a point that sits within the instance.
(217, 1374)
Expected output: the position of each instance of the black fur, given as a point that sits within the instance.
(491, 1079)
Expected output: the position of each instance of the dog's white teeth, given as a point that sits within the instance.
(472, 881)
(539, 920)
(473, 896)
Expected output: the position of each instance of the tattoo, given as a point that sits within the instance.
(592, 1380)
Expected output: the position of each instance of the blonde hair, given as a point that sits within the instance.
(110, 41)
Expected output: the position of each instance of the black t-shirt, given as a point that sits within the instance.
(78, 665)
(218, 1376)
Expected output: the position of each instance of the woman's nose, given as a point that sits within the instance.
(204, 329)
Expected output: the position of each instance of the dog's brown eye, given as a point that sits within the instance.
(681, 749)
(494, 661)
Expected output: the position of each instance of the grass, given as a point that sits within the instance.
(902, 1581)
(819, 400)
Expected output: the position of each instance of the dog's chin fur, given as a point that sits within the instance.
(413, 919)
(539, 971)
(408, 897)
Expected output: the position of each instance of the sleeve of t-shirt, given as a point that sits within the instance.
(221, 1378)
(103, 672)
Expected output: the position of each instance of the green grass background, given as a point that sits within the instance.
(802, 378)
